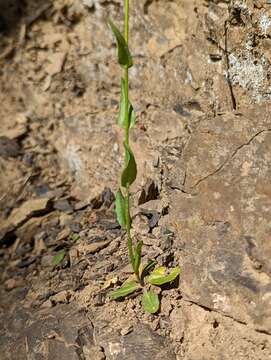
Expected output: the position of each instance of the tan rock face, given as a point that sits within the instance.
(198, 68)
(195, 59)
(201, 91)
(223, 211)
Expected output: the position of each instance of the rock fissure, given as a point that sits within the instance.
(209, 309)
(228, 160)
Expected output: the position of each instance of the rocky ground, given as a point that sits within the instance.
(201, 89)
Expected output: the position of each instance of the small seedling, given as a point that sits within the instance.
(57, 259)
(126, 120)
(74, 237)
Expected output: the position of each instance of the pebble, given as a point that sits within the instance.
(81, 205)
(63, 205)
(47, 304)
(8, 147)
(11, 284)
(61, 297)
(141, 225)
(126, 330)
(75, 227)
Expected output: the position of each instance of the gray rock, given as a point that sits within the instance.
(141, 344)
(50, 333)
(9, 147)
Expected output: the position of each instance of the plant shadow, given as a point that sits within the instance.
(12, 12)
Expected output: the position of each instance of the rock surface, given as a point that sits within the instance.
(201, 91)
(223, 208)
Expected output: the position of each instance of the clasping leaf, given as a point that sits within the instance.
(159, 277)
(137, 259)
(124, 56)
(123, 121)
(120, 209)
(130, 171)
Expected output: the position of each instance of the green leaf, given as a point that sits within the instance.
(123, 121)
(158, 277)
(57, 259)
(150, 302)
(137, 260)
(120, 209)
(124, 55)
(129, 173)
(124, 290)
(147, 267)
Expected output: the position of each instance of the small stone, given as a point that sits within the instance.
(63, 205)
(166, 306)
(11, 284)
(75, 227)
(92, 248)
(141, 225)
(30, 208)
(111, 248)
(99, 299)
(63, 234)
(157, 232)
(88, 3)
(26, 262)
(42, 190)
(154, 219)
(15, 132)
(39, 246)
(8, 147)
(151, 240)
(153, 205)
(81, 205)
(47, 304)
(107, 197)
(21, 118)
(93, 353)
(61, 297)
(126, 330)
(65, 219)
(28, 230)
(56, 63)
(111, 282)
(73, 255)
(46, 261)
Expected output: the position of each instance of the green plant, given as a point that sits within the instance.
(58, 257)
(126, 120)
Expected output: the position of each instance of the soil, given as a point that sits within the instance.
(201, 91)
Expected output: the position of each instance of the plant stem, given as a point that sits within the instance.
(126, 20)
(128, 228)
(126, 88)
(126, 70)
